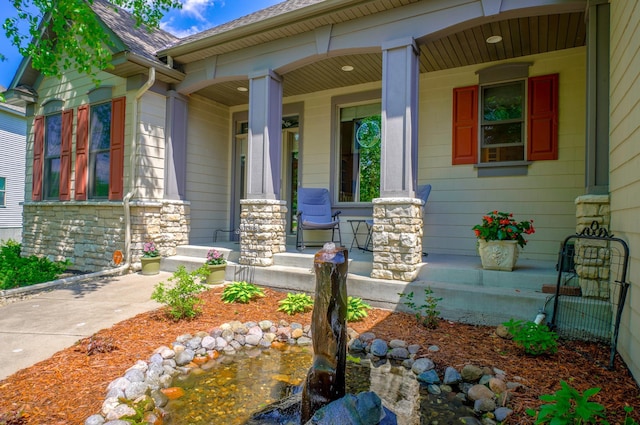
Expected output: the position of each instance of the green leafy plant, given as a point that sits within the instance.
(182, 298)
(534, 339)
(427, 314)
(628, 420)
(241, 292)
(17, 271)
(569, 407)
(356, 309)
(500, 226)
(295, 303)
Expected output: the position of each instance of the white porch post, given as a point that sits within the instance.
(263, 214)
(397, 214)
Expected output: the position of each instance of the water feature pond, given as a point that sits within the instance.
(228, 390)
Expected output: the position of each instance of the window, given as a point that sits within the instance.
(502, 126)
(507, 122)
(99, 150)
(52, 145)
(52, 156)
(3, 191)
(359, 152)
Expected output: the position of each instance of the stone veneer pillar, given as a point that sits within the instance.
(397, 238)
(262, 230)
(592, 260)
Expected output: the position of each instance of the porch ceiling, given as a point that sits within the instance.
(520, 37)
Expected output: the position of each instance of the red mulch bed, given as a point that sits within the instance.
(70, 386)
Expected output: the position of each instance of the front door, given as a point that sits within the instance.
(289, 175)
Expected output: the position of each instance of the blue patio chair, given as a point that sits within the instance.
(314, 213)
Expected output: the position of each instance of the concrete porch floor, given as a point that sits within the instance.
(469, 293)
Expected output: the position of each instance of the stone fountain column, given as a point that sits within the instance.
(326, 378)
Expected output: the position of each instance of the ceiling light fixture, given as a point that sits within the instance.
(347, 68)
(494, 39)
(243, 89)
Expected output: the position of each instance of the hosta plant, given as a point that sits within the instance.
(295, 303)
(356, 309)
(241, 292)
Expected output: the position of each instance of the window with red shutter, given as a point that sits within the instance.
(543, 118)
(116, 173)
(82, 137)
(65, 155)
(38, 152)
(465, 125)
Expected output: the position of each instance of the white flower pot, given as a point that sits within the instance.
(498, 255)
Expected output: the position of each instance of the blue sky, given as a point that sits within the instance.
(195, 16)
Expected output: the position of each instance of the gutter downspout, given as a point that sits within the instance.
(132, 174)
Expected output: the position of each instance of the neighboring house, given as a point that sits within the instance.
(13, 146)
(366, 98)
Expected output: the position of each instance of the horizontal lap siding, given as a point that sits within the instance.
(13, 130)
(208, 168)
(151, 149)
(624, 183)
(460, 198)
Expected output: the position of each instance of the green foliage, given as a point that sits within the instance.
(370, 153)
(356, 309)
(241, 292)
(427, 314)
(569, 407)
(182, 298)
(295, 303)
(17, 271)
(63, 35)
(628, 420)
(534, 339)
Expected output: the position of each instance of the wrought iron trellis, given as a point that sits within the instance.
(592, 287)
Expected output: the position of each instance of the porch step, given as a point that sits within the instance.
(469, 294)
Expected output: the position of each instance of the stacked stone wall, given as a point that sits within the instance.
(593, 257)
(262, 231)
(88, 233)
(397, 238)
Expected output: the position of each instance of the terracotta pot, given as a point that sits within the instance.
(498, 255)
(150, 265)
(216, 274)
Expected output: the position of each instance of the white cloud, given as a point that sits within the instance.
(178, 32)
(196, 8)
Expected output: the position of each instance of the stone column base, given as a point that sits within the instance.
(397, 238)
(262, 230)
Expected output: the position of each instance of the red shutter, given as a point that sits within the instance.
(38, 157)
(116, 166)
(465, 125)
(543, 118)
(82, 154)
(65, 155)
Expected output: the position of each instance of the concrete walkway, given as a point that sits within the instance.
(34, 328)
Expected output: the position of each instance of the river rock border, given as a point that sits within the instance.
(147, 386)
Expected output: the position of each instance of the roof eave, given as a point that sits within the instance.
(253, 28)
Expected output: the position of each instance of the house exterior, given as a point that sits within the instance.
(368, 99)
(13, 145)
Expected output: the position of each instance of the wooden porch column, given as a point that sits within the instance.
(399, 156)
(265, 136)
(263, 214)
(397, 214)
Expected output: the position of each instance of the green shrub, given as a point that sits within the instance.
(241, 292)
(295, 303)
(17, 271)
(181, 298)
(534, 339)
(427, 314)
(356, 309)
(569, 407)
